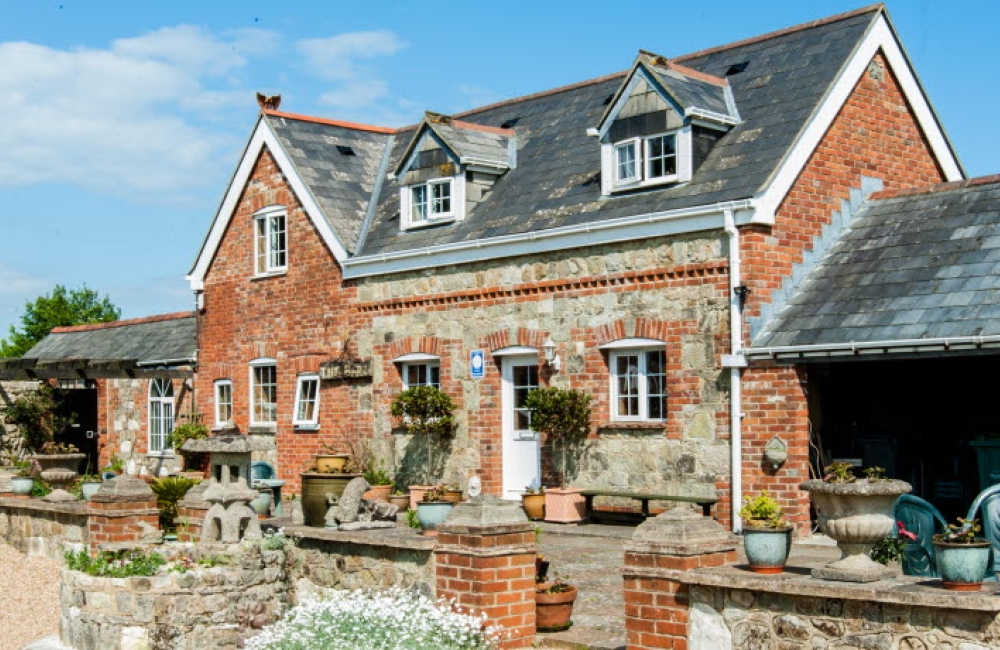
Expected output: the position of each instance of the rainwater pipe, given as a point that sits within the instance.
(735, 374)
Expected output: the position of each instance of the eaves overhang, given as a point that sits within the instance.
(869, 350)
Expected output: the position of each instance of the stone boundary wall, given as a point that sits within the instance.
(36, 527)
(11, 442)
(216, 607)
(329, 559)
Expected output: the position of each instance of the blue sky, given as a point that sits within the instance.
(123, 121)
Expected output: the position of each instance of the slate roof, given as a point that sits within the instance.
(692, 92)
(556, 182)
(466, 140)
(917, 266)
(157, 338)
(342, 184)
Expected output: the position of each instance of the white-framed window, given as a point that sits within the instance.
(306, 401)
(431, 200)
(638, 383)
(626, 168)
(661, 156)
(421, 374)
(161, 414)
(223, 402)
(270, 241)
(263, 392)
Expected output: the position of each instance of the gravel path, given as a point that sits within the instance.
(29, 598)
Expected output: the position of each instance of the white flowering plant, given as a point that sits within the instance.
(275, 540)
(395, 619)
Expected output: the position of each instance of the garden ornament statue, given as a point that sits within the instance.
(353, 512)
(230, 519)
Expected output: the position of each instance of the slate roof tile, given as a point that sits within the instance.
(150, 339)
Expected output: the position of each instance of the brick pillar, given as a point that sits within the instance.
(191, 511)
(661, 550)
(485, 559)
(123, 513)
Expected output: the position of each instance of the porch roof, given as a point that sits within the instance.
(918, 272)
(162, 345)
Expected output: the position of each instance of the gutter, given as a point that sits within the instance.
(166, 362)
(493, 247)
(735, 375)
(870, 348)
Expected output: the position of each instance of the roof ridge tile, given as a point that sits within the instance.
(63, 329)
(329, 122)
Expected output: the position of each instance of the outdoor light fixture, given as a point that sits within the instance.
(742, 292)
(551, 358)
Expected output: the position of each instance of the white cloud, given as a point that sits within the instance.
(357, 93)
(126, 118)
(16, 289)
(338, 57)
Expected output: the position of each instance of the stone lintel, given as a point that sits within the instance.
(486, 515)
(913, 591)
(123, 488)
(681, 531)
(490, 551)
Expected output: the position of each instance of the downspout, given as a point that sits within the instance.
(735, 374)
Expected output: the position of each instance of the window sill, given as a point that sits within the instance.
(639, 185)
(161, 454)
(443, 221)
(272, 274)
(305, 427)
(263, 428)
(632, 427)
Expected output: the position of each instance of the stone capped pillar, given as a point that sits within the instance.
(123, 512)
(656, 602)
(485, 559)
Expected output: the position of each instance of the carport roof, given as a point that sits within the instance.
(918, 271)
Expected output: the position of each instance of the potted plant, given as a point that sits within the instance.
(424, 412)
(533, 502)
(22, 482)
(432, 510)
(193, 461)
(767, 537)
(317, 487)
(329, 461)
(857, 513)
(35, 416)
(563, 417)
(400, 499)
(89, 485)
(114, 468)
(378, 479)
(453, 492)
(59, 463)
(554, 604)
(962, 557)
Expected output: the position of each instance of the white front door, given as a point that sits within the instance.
(521, 455)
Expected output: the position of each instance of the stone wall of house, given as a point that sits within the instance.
(753, 620)
(875, 134)
(11, 442)
(324, 560)
(124, 412)
(204, 607)
(670, 289)
(35, 527)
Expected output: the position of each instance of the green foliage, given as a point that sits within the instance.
(562, 415)
(411, 519)
(839, 472)
(424, 411)
(761, 511)
(376, 474)
(875, 473)
(964, 532)
(117, 465)
(115, 564)
(41, 488)
(25, 468)
(169, 490)
(185, 432)
(60, 308)
(34, 414)
(888, 550)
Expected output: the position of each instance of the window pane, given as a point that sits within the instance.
(308, 390)
(265, 393)
(626, 161)
(656, 384)
(662, 156)
(418, 200)
(442, 198)
(434, 378)
(223, 403)
(278, 249)
(261, 246)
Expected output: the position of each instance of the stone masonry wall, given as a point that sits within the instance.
(11, 443)
(35, 527)
(765, 621)
(874, 135)
(214, 607)
(125, 425)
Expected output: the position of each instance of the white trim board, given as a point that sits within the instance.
(879, 37)
(263, 136)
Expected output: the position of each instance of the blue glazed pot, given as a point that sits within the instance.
(432, 514)
(89, 489)
(767, 548)
(963, 566)
(21, 484)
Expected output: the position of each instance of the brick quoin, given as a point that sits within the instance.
(875, 134)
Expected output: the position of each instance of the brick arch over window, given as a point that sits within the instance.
(639, 328)
(258, 350)
(520, 336)
(425, 344)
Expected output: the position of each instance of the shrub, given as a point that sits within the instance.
(169, 490)
(563, 415)
(425, 411)
(183, 433)
(115, 564)
(34, 414)
(389, 620)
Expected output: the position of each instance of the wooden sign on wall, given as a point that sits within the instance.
(346, 369)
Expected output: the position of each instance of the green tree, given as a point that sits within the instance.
(60, 308)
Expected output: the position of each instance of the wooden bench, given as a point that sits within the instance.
(706, 503)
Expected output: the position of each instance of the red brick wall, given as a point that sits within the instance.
(876, 135)
(298, 318)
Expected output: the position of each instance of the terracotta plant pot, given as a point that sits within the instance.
(454, 496)
(379, 493)
(401, 501)
(565, 505)
(554, 611)
(534, 506)
(331, 463)
(417, 493)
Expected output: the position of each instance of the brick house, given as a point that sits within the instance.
(639, 236)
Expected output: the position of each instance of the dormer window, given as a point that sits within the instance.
(650, 160)
(430, 202)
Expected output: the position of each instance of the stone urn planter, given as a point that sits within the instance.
(857, 515)
(553, 611)
(59, 469)
(963, 565)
